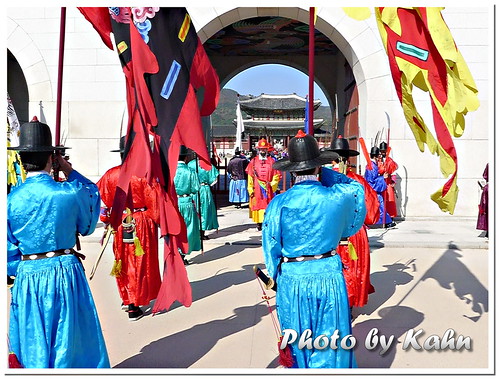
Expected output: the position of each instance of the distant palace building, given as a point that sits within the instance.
(275, 117)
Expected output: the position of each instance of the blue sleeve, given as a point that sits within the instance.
(13, 253)
(354, 198)
(213, 175)
(194, 182)
(271, 238)
(376, 181)
(88, 198)
(330, 177)
(355, 218)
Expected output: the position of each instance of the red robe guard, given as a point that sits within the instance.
(388, 165)
(262, 182)
(138, 278)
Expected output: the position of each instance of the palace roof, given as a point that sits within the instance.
(262, 102)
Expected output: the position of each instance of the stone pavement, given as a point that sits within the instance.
(429, 274)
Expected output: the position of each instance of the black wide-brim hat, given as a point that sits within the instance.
(340, 145)
(183, 152)
(304, 154)
(34, 137)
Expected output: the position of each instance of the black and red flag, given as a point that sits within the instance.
(164, 64)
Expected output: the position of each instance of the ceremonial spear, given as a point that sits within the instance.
(59, 89)
(386, 179)
(311, 51)
(198, 211)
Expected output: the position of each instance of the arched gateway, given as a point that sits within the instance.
(280, 35)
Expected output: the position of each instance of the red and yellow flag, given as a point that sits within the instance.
(422, 53)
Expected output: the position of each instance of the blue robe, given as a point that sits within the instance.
(209, 220)
(310, 219)
(378, 183)
(187, 186)
(238, 185)
(53, 319)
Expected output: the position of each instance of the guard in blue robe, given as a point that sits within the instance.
(301, 229)
(187, 186)
(209, 220)
(238, 185)
(378, 183)
(53, 319)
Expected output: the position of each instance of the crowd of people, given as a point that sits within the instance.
(321, 269)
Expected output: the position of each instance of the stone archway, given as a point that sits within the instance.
(358, 42)
(31, 61)
(26, 64)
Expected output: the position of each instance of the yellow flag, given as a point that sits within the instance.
(358, 13)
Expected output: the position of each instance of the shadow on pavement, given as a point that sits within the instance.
(395, 321)
(219, 282)
(451, 273)
(385, 283)
(216, 283)
(230, 230)
(184, 348)
(224, 251)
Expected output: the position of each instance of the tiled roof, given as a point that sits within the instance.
(291, 102)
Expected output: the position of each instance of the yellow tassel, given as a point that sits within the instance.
(138, 248)
(352, 252)
(116, 270)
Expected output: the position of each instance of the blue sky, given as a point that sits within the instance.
(273, 79)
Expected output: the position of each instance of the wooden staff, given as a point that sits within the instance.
(311, 53)
(199, 203)
(59, 87)
(386, 179)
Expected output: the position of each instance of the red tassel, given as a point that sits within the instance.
(14, 362)
(285, 355)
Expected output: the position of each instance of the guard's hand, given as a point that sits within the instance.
(64, 165)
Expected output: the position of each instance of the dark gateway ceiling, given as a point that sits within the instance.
(267, 36)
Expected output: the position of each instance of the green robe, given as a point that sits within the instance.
(209, 219)
(187, 186)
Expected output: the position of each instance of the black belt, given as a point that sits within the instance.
(308, 257)
(50, 254)
(186, 195)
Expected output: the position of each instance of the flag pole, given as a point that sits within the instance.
(59, 77)
(311, 52)
(59, 87)
(386, 180)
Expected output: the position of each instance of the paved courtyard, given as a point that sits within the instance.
(431, 275)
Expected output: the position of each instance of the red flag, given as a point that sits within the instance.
(164, 64)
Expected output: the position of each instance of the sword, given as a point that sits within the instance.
(104, 244)
(269, 282)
